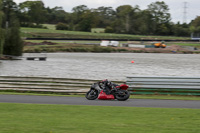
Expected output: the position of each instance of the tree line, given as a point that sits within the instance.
(10, 40)
(127, 19)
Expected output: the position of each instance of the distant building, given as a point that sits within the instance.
(109, 43)
(195, 36)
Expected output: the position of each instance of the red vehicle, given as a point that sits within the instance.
(105, 90)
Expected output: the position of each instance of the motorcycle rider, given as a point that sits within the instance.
(106, 86)
(106, 90)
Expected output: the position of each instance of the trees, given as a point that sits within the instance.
(87, 21)
(123, 17)
(56, 15)
(32, 12)
(79, 17)
(13, 44)
(195, 25)
(160, 17)
(104, 16)
(1, 31)
(155, 20)
(144, 23)
(181, 29)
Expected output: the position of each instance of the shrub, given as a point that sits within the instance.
(109, 29)
(62, 26)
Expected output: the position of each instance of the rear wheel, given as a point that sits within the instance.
(91, 94)
(122, 95)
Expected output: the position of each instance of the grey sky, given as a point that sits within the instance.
(175, 6)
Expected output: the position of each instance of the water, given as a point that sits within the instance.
(112, 66)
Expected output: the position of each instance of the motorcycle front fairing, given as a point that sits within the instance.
(104, 96)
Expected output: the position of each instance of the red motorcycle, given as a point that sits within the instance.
(106, 90)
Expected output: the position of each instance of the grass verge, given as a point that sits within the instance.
(52, 33)
(35, 118)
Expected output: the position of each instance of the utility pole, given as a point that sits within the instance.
(185, 12)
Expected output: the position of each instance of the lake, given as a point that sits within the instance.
(112, 66)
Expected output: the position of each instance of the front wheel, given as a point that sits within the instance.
(91, 94)
(122, 95)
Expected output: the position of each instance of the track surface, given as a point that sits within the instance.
(84, 101)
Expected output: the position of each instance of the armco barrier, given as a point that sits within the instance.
(137, 85)
(46, 85)
(164, 85)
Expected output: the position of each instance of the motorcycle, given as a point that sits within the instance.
(118, 92)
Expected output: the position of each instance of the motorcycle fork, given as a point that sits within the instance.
(92, 92)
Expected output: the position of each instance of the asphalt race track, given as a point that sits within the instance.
(83, 101)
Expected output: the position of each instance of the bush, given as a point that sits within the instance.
(109, 29)
(62, 26)
(100, 49)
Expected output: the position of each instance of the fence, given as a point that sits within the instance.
(164, 85)
(137, 85)
(46, 85)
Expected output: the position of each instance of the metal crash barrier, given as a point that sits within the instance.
(164, 85)
(46, 84)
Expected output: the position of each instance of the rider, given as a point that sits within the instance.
(106, 86)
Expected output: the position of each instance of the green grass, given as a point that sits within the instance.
(50, 26)
(66, 42)
(197, 44)
(35, 118)
(188, 44)
(36, 32)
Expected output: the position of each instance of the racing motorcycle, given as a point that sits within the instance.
(98, 90)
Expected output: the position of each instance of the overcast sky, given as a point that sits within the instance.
(176, 6)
